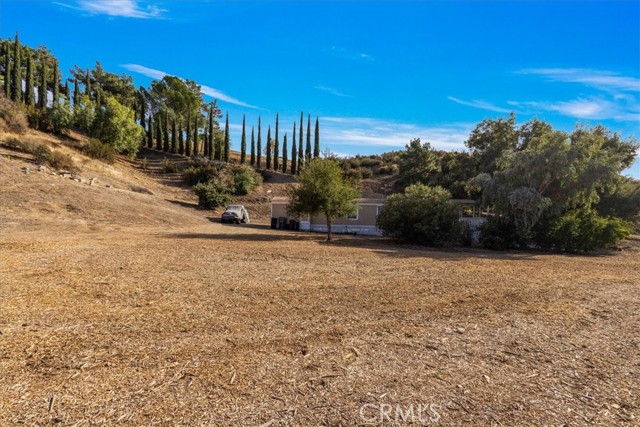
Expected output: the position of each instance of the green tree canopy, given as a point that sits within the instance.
(322, 191)
(114, 125)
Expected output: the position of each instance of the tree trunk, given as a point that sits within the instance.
(328, 229)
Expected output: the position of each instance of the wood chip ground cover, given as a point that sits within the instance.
(137, 309)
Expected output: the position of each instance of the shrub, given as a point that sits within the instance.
(41, 153)
(12, 117)
(500, 234)
(199, 174)
(212, 194)
(168, 166)
(370, 162)
(97, 150)
(466, 234)
(60, 161)
(422, 214)
(60, 117)
(245, 179)
(39, 118)
(585, 231)
(366, 173)
(144, 163)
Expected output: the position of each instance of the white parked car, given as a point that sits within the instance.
(235, 214)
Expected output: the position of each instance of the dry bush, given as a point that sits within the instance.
(12, 118)
(61, 161)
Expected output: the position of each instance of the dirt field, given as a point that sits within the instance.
(119, 307)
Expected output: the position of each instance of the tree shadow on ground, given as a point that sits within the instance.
(183, 204)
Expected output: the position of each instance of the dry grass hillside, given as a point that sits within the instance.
(120, 307)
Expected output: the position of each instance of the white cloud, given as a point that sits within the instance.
(478, 103)
(207, 90)
(345, 53)
(387, 135)
(121, 8)
(593, 108)
(604, 80)
(332, 91)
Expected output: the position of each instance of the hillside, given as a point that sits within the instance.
(123, 307)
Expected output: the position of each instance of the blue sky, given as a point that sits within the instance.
(376, 73)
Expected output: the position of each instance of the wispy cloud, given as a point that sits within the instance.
(119, 8)
(592, 108)
(207, 90)
(604, 80)
(478, 103)
(332, 91)
(387, 134)
(350, 54)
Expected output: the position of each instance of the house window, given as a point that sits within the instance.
(354, 217)
(378, 210)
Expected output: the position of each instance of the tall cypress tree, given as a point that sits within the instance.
(76, 94)
(42, 89)
(56, 84)
(243, 143)
(276, 148)
(269, 148)
(166, 142)
(205, 136)
(259, 146)
(300, 148)
(212, 136)
(66, 90)
(180, 137)
(187, 142)
(284, 154)
(87, 84)
(196, 143)
(29, 95)
(158, 132)
(143, 114)
(316, 141)
(174, 135)
(253, 148)
(149, 132)
(227, 139)
(16, 74)
(7, 71)
(294, 152)
(307, 152)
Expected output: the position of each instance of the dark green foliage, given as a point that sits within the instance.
(253, 148)
(491, 139)
(245, 180)
(196, 144)
(580, 231)
(422, 214)
(417, 164)
(16, 72)
(61, 118)
(227, 139)
(67, 94)
(259, 147)
(42, 89)
(308, 149)
(294, 152)
(500, 234)
(174, 135)
(7, 73)
(200, 173)
(149, 132)
(316, 143)
(213, 194)
(97, 150)
(168, 166)
(623, 202)
(56, 84)
(187, 143)
(269, 147)
(159, 132)
(180, 138)
(300, 146)
(41, 153)
(87, 84)
(284, 154)
(212, 137)
(29, 94)
(76, 93)
(243, 143)
(276, 148)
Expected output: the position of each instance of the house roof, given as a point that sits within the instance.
(281, 199)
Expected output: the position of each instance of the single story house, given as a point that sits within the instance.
(362, 222)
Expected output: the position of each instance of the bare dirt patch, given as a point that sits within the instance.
(122, 307)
